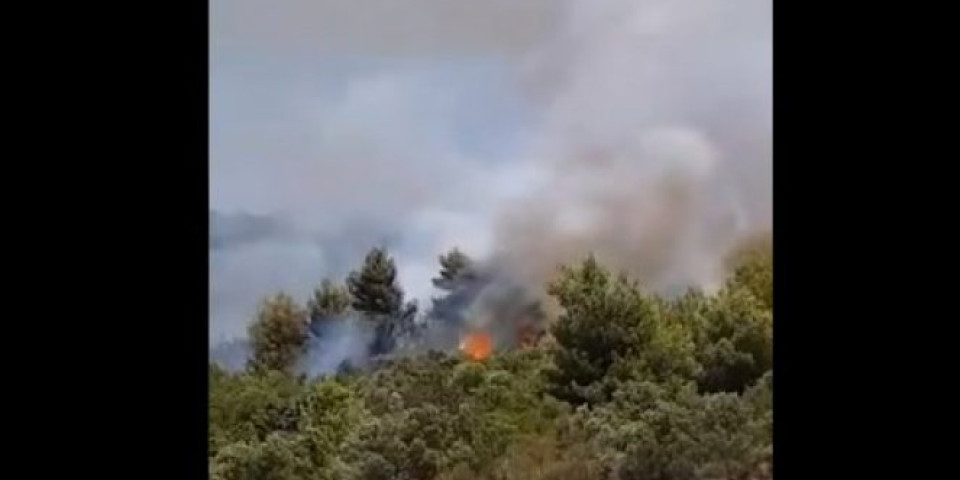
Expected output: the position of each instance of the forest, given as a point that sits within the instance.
(591, 376)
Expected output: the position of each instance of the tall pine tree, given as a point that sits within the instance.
(378, 297)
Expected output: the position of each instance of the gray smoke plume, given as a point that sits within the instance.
(654, 151)
(528, 133)
(335, 343)
(489, 299)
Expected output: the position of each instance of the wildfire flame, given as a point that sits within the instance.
(476, 345)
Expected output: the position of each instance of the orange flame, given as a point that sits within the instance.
(476, 345)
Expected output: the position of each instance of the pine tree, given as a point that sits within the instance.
(378, 297)
(610, 330)
(456, 269)
(328, 302)
(374, 288)
(735, 341)
(278, 335)
(460, 278)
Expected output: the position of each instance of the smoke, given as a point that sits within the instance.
(488, 299)
(528, 133)
(252, 256)
(334, 343)
(653, 112)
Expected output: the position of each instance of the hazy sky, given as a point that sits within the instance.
(337, 125)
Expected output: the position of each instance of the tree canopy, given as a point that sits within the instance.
(278, 335)
(378, 297)
(631, 385)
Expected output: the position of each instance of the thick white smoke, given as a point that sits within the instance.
(652, 112)
(645, 137)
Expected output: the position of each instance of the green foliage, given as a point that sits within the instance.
(610, 327)
(756, 276)
(434, 412)
(330, 300)
(377, 295)
(536, 457)
(279, 457)
(246, 407)
(456, 268)
(752, 266)
(733, 331)
(669, 432)
(459, 280)
(634, 387)
(595, 329)
(279, 427)
(278, 335)
(374, 287)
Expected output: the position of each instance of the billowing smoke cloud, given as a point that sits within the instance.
(490, 299)
(528, 133)
(655, 112)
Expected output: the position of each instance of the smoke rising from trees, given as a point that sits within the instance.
(637, 130)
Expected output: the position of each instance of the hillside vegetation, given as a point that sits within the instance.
(623, 384)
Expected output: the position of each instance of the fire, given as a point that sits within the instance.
(476, 345)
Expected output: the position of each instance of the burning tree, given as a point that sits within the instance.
(483, 307)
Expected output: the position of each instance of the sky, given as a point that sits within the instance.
(421, 125)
